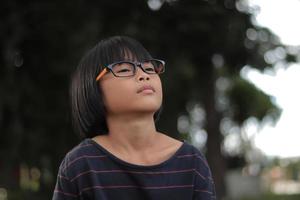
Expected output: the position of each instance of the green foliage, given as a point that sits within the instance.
(247, 100)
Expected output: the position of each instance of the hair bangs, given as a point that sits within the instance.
(122, 48)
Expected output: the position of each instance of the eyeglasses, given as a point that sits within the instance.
(128, 68)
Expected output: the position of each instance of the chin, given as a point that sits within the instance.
(151, 109)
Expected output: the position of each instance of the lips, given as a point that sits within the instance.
(145, 87)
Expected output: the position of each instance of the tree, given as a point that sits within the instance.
(208, 41)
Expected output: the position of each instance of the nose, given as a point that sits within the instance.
(141, 75)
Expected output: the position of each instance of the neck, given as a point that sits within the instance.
(132, 133)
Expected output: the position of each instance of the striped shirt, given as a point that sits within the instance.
(89, 172)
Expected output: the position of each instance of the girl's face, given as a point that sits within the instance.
(141, 93)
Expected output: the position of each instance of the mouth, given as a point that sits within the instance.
(146, 88)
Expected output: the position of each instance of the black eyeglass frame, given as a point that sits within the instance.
(135, 64)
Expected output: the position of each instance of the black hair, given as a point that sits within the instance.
(87, 106)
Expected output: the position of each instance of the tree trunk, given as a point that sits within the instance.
(214, 139)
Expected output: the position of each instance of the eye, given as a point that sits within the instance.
(148, 66)
(123, 70)
(149, 69)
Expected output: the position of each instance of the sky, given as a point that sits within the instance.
(283, 139)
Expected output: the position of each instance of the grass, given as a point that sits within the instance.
(275, 197)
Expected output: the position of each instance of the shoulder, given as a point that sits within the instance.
(191, 151)
(76, 155)
(185, 150)
(204, 187)
(194, 155)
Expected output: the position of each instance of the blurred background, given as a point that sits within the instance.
(230, 87)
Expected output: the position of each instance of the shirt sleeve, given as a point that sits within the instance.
(204, 187)
(64, 188)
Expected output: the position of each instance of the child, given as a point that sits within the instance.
(116, 96)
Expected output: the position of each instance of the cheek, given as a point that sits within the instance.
(158, 87)
(115, 96)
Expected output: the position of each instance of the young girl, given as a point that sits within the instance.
(116, 96)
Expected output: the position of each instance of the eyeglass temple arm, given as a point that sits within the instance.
(101, 74)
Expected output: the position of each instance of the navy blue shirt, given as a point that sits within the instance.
(89, 172)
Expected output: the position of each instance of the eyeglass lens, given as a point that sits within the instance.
(128, 68)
